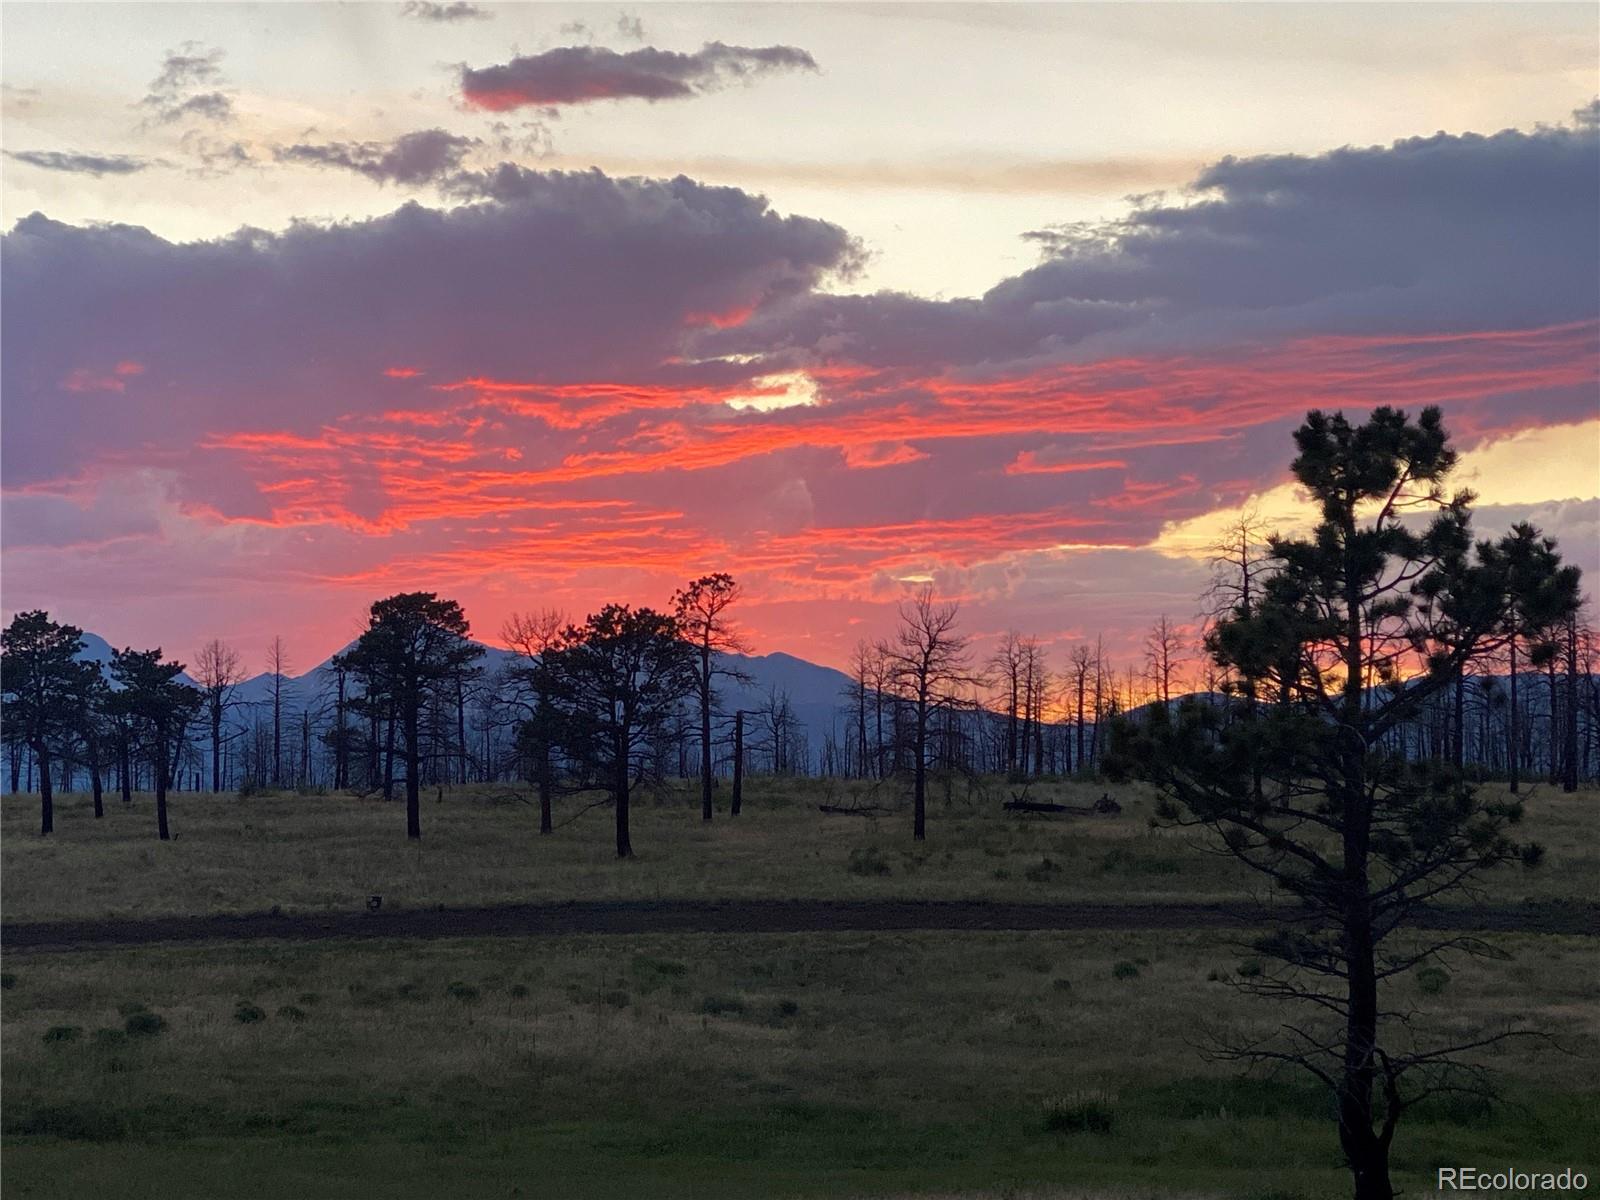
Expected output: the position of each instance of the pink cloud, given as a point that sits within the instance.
(89, 379)
(586, 339)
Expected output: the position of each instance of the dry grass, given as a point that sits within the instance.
(755, 1065)
(481, 846)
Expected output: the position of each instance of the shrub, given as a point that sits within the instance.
(1250, 968)
(1061, 985)
(1432, 979)
(1238, 1098)
(644, 964)
(308, 998)
(1121, 860)
(867, 860)
(787, 1008)
(290, 1013)
(518, 991)
(1125, 970)
(616, 999)
(1044, 871)
(462, 991)
(1079, 1114)
(109, 1039)
(144, 1024)
(63, 1033)
(721, 1006)
(247, 1013)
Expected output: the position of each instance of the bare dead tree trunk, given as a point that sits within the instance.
(388, 756)
(461, 729)
(1569, 780)
(47, 808)
(162, 768)
(705, 736)
(620, 784)
(1514, 749)
(1459, 721)
(919, 819)
(94, 776)
(738, 761)
(413, 773)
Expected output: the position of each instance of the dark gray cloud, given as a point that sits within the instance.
(563, 276)
(1427, 235)
(81, 164)
(188, 67)
(215, 156)
(209, 106)
(412, 158)
(189, 85)
(425, 10)
(572, 75)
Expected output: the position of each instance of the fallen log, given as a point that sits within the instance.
(1040, 806)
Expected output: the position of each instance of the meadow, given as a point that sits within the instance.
(967, 1066)
(784, 1065)
(480, 845)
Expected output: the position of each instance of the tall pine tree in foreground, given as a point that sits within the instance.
(1352, 630)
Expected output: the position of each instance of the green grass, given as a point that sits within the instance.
(762, 1065)
(481, 846)
(1037, 1066)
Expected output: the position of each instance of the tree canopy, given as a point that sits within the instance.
(1347, 632)
(414, 644)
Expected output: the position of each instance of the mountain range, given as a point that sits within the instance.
(815, 692)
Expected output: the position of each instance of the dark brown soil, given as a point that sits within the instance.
(732, 916)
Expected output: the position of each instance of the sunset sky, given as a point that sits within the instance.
(545, 305)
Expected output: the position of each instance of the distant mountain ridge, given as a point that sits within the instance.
(818, 696)
(814, 691)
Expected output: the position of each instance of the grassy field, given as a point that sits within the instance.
(967, 1066)
(481, 846)
(704, 1066)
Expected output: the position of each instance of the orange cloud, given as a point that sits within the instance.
(1028, 462)
(881, 454)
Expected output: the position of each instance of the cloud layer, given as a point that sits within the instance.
(190, 86)
(413, 158)
(80, 164)
(572, 386)
(572, 75)
(444, 14)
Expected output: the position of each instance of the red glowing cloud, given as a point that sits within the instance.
(578, 389)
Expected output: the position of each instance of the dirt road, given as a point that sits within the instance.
(727, 917)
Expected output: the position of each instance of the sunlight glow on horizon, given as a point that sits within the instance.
(1529, 467)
